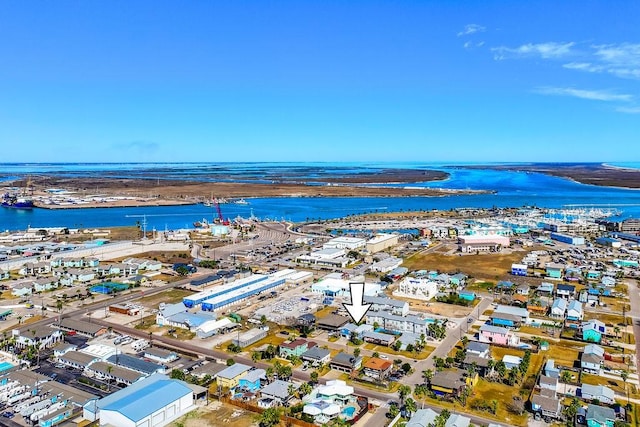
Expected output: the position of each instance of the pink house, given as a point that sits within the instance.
(497, 335)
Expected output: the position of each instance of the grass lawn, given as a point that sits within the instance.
(486, 266)
(180, 334)
(272, 339)
(171, 296)
(146, 323)
(615, 385)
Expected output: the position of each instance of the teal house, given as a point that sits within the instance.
(468, 296)
(593, 330)
(593, 275)
(600, 416)
(554, 271)
(295, 348)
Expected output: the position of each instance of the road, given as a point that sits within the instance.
(634, 313)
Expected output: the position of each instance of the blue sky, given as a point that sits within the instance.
(319, 81)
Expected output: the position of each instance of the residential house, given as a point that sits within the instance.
(451, 383)
(352, 330)
(295, 348)
(332, 322)
(565, 291)
(458, 280)
(230, 377)
(4, 274)
(82, 276)
(422, 418)
(511, 361)
(574, 311)
(523, 290)
(593, 275)
(600, 393)
(252, 380)
(457, 420)
(554, 271)
(592, 359)
(377, 368)
(549, 383)
(547, 404)
(316, 355)
(278, 392)
(479, 349)
(497, 335)
(550, 370)
(545, 289)
(379, 338)
(593, 330)
(62, 349)
(345, 362)
(478, 363)
(22, 290)
(508, 316)
(35, 268)
(78, 360)
(608, 281)
(600, 416)
(559, 308)
(335, 391)
(394, 306)
(81, 327)
(42, 285)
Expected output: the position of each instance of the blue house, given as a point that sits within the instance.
(251, 381)
(593, 275)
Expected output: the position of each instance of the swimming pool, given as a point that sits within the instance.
(349, 411)
(5, 365)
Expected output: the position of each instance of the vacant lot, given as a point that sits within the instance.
(170, 296)
(485, 266)
(217, 414)
(166, 257)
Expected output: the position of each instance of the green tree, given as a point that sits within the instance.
(571, 410)
(231, 362)
(427, 375)
(393, 410)
(410, 406)
(565, 377)
(305, 388)
(314, 377)
(406, 368)
(270, 417)
(403, 392)
(356, 351)
(625, 375)
(177, 374)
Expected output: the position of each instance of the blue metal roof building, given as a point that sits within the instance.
(135, 364)
(154, 401)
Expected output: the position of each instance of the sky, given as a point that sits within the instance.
(357, 80)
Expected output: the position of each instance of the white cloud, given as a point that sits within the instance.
(629, 110)
(620, 60)
(594, 95)
(467, 45)
(480, 44)
(547, 50)
(471, 29)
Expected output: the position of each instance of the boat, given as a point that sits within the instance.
(240, 202)
(201, 224)
(17, 202)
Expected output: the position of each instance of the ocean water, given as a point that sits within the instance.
(513, 189)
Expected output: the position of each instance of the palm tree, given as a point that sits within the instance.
(410, 406)
(269, 374)
(270, 417)
(403, 391)
(109, 370)
(565, 377)
(427, 375)
(314, 376)
(291, 390)
(59, 306)
(625, 375)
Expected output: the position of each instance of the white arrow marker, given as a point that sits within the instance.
(357, 309)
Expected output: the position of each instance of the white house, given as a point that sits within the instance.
(559, 308)
(574, 311)
(597, 392)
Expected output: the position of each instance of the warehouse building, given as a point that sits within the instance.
(237, 295)
(155, 401)
(475, 243)
(196, 299)
(251, 336)
(381, 242)
(567, 238)
(344, 242)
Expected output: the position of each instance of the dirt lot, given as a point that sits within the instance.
(166, 257)
(437, 308)
(217, 415)
(483, 266)
(171, 296)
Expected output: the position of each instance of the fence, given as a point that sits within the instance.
(253, 408)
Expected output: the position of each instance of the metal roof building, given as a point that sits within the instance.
(154, 402)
